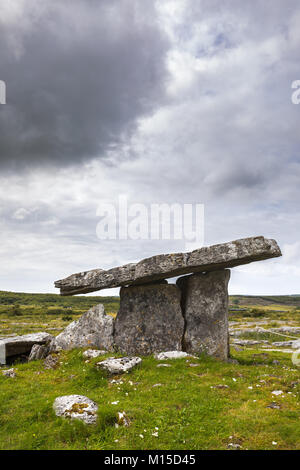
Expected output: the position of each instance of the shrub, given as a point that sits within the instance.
(67, 318)
(15, 311)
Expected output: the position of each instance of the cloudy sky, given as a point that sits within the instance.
(174, 101)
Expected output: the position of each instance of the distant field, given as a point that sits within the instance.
(54, 303)
(21, 313)
(288, 300)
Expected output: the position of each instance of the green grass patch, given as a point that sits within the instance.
(192, 408)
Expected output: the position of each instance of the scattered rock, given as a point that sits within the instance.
(156, 385)
(274, 406)
(260, 356)
(149, 319)
(296, 344)
(277, 392)
(249, 342)
(91, 353)
(119, 365)
(231, 445)
(287, 330)
(236, 348)
(94, 328)
(76, 407)
(122, 419)
(288, 344)
(295, 383)
(172, 355)
(9, 373)
(51, 362)
(205, 310)
(163, 365)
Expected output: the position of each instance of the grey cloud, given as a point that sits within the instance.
(78, 77)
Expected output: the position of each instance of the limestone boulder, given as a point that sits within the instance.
(76, 407)
(205, 310)
(16, 346)
(93, 329)
(149, 319)
(118, 365)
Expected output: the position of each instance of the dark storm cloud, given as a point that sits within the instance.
(78, 75)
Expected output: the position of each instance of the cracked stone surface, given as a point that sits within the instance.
(205, 310)
(38, 352)
(119, 365)
(211, 258)
(94, 328)
(76, 407)
(149, 319)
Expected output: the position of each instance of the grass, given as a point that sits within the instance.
(271, 337)
(193, 408)
(207, 406)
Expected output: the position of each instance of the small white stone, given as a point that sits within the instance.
(172, 355)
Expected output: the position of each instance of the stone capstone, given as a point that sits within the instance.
(205, 310)
(149, 319)
(211, 258)
(21, 345)
(94, 328)
(119, 365)
(76, 407)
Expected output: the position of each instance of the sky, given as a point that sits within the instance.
(169, 101)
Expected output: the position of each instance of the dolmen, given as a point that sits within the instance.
(191, 315)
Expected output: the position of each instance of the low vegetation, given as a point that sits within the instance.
(193, 404)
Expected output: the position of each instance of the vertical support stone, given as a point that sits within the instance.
(205, 310)
(149, 320)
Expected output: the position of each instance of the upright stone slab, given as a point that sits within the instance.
(149, 320)
(205, 310)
